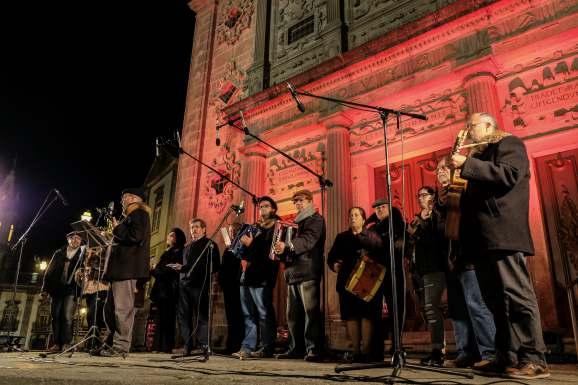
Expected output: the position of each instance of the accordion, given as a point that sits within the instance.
(235, 246)
(283, 232)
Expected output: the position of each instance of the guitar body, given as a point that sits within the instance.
(455, 189)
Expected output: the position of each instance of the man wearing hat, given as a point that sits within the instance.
(303, 270)
(59, 283)
(379, 223)
(129, 262)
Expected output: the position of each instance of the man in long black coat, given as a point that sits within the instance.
(129, 262)
(495, 229)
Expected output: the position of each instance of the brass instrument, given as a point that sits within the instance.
(283, 230)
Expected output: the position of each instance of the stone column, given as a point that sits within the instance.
(253, 177)
(482, 94)
(194, 125)
(339, 200)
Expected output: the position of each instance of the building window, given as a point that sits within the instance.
(303, 28)
(157, 209)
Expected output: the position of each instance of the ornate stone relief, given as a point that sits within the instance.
(293, 53)
(231, 87)
(284, 176)
(442, 110)
(217, 190)
(234, 17)
(545, 90)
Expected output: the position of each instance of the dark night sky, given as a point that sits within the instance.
(85, 87)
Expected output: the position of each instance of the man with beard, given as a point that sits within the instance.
(303, 258)
(495, 231)
(258, 278)
(129, 262)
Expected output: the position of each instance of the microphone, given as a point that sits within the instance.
(240, 209)
(218, 139)
(300, 105)
(61, 197)
(157, 150)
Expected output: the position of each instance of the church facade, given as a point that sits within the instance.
(516, 59)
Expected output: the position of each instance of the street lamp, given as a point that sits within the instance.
(86, 216)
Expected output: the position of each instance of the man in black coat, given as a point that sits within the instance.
(303, 258)
(495, 229)
(200, 257)
(379, 223)
(129, 262)
(59, 283)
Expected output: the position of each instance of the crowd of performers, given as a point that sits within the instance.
(492, 304)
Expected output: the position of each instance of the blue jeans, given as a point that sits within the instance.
(475, 332)
(304, 317)
(62, 309)
(257, 307)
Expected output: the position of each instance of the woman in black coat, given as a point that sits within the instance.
(164, 291)
(348, 248)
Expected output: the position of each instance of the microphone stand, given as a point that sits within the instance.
(254, 197)
(323, 182)
(204, 355)
(10, 345)
(398, 360)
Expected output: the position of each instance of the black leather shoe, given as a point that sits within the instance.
(436, 358)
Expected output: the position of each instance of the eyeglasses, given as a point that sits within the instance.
(423, 195)
(265, 206)
(469, 126)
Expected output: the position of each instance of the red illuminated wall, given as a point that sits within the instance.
(515, 59)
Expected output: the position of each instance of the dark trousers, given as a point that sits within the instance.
(509, 293)
(304, 317)
(233, 312)
(193, 303)
(386, 330)
(165, 331)
(61, 310)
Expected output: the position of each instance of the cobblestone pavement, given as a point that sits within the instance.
(140, 368)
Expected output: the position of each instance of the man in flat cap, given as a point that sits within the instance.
(303, 257)
(59, 283)
(129, 262)
(379, 223)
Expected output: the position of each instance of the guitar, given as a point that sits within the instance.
(455, 189)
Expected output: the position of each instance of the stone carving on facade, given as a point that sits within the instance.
(217, 190)
(546, 93)
(9, 321)
(284, 176)
(234, 17)
(442, 110)
(230, 87)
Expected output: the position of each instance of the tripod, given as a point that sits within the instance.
(398, 360)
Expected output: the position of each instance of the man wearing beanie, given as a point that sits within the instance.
(129, 262)
(303, 258)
